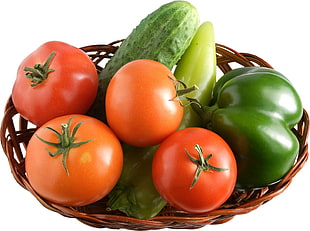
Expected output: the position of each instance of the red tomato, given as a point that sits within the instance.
(139, 103)
(80, 175)
(175, 166)
(70, 86)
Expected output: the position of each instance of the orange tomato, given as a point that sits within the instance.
(139, 103)
(79, 175)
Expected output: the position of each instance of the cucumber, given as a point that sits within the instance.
(163, 36)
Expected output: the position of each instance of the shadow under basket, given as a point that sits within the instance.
(16, 132)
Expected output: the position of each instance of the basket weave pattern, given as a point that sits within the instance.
(16, 132)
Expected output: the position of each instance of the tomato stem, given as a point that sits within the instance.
(186, 90)
(66, 141)
(38, 73)
(202, 164)
(181, 90)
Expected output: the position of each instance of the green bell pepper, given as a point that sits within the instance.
(135, 193)
(254, 110)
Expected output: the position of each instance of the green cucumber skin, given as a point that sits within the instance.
(162, 36)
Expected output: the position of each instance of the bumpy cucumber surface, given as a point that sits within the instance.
(163, 36)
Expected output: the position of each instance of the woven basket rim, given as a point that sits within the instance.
(16, 133)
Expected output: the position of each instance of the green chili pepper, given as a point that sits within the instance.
(254, 110)
(197, 66)
(135, 193)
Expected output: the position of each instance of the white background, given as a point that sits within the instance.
(277, 31)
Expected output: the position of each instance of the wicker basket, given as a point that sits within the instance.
(16, 132)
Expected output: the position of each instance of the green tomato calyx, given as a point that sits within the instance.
(202, 164)
(38, 73)
(66, 141)
(181, 90)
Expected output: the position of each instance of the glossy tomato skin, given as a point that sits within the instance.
(173, 171)
(70, 88)
(139, 103)
(93, 168)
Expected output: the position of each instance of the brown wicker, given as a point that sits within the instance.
(16, 132)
